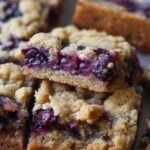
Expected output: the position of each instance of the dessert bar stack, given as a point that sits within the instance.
(128, 18)
(86, 99)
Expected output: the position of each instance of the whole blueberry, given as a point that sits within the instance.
(100, 66)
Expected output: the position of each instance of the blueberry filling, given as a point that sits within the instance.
(134, 6)
(103, 66)
(43, 120)
(132, 65)
(35, 57)
(73, 129)
(11, 117)
(11, 10)
(102, 136)
(11, 43)
(100, 66)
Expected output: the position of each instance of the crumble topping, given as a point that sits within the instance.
(33, 18)
(14, 84)
(10, 47)
(91, 39)
(68, 104)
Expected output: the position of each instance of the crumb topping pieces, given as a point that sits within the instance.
(14, 84)
(90, 39)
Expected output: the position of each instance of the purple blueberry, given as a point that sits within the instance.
(12, 43)
(11, 10)
(100, 66)
(74, 130)
(35, 57)
(81, 47)
(70, 64)
(43, 120)
(84, 67)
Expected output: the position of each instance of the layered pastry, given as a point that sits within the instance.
(128, 18)
(145, 141)
(19, 20)
(83, 58)
(15, 95)
(69, 118)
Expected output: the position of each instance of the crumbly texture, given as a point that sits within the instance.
(87, 109)
(32, 20)
(145, 141)
(13, 54)
(102, 16)
(14, 84)
(36, 16)
(91, 40)
(15, 96)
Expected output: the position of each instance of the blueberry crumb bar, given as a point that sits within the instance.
(16, 92)
(69, 118)
(84, 58)
(128, 18)
(145, 141)
(19, 20)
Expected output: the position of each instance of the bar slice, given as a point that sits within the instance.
(69, 118)
(16, 93)
(19, 20)
(83, 58)
(128, 18)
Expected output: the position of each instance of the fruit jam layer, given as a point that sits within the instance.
(44, 122)
(142, 7)
(104, 65)
(10, 10)
(12, 117)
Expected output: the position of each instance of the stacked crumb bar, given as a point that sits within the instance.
(86, 99)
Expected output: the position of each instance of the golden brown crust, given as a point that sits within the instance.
(115, 21)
